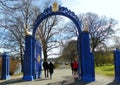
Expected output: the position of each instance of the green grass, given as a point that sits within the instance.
(107, 70)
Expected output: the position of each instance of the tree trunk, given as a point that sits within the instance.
(45, 54)
(21, 56)
(93, 49)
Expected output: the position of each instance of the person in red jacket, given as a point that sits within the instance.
(75, 68)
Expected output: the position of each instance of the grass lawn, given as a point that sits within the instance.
(107, 70)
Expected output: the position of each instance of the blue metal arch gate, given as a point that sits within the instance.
(85, 58)
(64, 12)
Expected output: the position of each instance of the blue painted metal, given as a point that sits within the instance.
(92, 67)
(5, 66)
(117, 64)
(28, 63)
(87, 65)
(79, 56)
(62, 11)
(86, 61)
(38, 60)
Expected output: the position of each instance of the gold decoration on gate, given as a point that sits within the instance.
(27, 32)
(38, 58)
(86, 27)
(55, 7)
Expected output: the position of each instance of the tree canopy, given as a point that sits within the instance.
(100, 28)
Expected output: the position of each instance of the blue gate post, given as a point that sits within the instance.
(87, 62)
(40, 69)
(28, 58)
(38, 60)
(92, 66)
(117, 64)
(5, 66)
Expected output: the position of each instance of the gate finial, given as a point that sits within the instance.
(55, 7)
(27, 32)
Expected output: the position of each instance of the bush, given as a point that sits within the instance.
(102, 58)
(13, 66)
(56, 65)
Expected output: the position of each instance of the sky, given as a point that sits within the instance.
(108, 8)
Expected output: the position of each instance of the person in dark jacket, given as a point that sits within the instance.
(51, 69)
(46, 68)
(72, 67)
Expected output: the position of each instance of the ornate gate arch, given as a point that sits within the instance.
(85, 58)
(62, 11)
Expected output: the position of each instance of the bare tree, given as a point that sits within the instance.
(49, 34)
(21, 18)
(116, 42)
(70, 50)
(100, 28)
(15, 21)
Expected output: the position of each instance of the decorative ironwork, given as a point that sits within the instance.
(85, 58)
(62, 11)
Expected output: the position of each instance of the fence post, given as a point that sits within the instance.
(5, 66)
(38, 60)
(117, 64)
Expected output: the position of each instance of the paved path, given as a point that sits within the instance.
(60, 77)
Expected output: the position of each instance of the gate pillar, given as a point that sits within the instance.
(117, 64)
(28, 58)
(38, 61)
(87, 61)
(5, 66)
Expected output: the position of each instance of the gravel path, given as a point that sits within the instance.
(60, 77)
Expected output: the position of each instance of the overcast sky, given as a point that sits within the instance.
(109, 8)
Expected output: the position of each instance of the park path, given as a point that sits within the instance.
(60, 77)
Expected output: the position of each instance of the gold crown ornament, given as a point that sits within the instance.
(55, 7)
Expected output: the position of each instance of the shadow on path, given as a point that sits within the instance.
(75, 81)
(67, 80)
(114, 83)
(12, 81)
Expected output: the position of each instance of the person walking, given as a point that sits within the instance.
(46, 68)
(51, 69)
(75, 68)
(72, 67)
